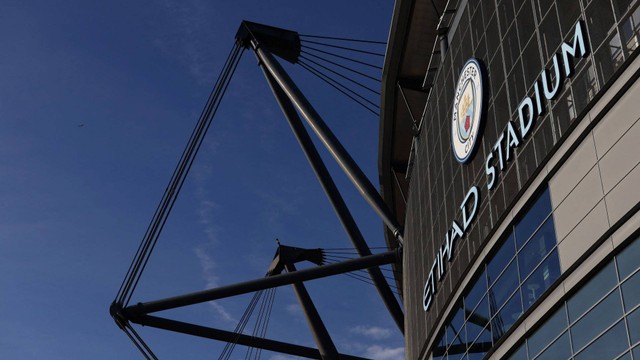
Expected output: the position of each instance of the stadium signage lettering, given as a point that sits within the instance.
(532, 107)
(509, 139)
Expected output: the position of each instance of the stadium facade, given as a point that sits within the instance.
(509, 149)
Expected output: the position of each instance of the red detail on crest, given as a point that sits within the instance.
(467, 123)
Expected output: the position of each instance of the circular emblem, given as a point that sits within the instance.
(467, 111)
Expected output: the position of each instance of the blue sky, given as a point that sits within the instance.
(97, 100)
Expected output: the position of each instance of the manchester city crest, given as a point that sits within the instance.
(467, 111)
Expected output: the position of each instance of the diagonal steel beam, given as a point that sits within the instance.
(231, 337)
(340, 154)
(140, 309)
(330, 188)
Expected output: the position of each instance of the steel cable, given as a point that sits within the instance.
(324, 78)
(345, 39)
(178, 178)
(342, 48)
(336, 55)
(161, 205)
(343, 76)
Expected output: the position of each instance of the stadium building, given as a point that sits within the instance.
(509, 149)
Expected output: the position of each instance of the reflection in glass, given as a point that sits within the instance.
(590, 293)
(476, 293)
(507, 316)
(477, 320)
(500, 260)
(503, 288)
(608, 346)
(631, 292)
(551, 328)
(520, 354)
(628, 259)
(596, 320)
(482, 344)
(542, 278)
(560, 349)
(534, 217)
(633, 321)
(537, 248)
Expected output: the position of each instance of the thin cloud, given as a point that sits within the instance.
(384, 353)
(190, 40)
(372, 332)
(208, 266)
(294, 309)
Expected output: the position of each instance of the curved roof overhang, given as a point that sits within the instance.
(411, 40)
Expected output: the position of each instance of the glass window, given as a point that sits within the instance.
(628, 259)
(631, 292)
(584, 86)
(534, 217)
(621, 6)
(501, 259)
(550, 33)
(626, 356)
(560, 349)
(551, 328)
(599, 16)
(590, 293)
(493, 37)
(525, 22)
(482, 344)
(608, 57)
(472, 298)
(503, 288)
(531, 61)
(633, 321)
(496, 76)
(507, 13)
(596, 320)
(511, 48)
(507, 316)
(537, 248)
(440, 349)
(541, 279)
(520, 354)
(630, 29)
(608, 346)
(570, 11)
(477, 320)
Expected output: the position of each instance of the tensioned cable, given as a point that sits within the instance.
(324, 78)
(258, 323)
(228, 349)
(140, 344)
(362, 271)
(337, 85)
(346, 68)
(334, 83)
(133, 340)
(178, 178)
(344, 39)
(262, 322)
(354, 249)
(182, 157)
(342, 47)
(367, 280)
(208, 120)
(342, 67)
(171, 187)
(338, 56)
